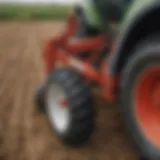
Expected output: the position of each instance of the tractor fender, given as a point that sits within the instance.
(138, 23)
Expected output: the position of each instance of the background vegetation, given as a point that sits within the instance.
(33, 12)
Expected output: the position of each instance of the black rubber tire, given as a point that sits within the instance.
(39, 98)
(147, 53)
(81, 107)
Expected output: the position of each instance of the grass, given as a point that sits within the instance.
(33, 12)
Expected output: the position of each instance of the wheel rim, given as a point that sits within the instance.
(147, 102)
(57, 107)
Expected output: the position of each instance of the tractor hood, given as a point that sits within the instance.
(136, 12)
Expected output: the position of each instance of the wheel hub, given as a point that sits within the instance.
(63, 103)
(57, 107)
(147, 102)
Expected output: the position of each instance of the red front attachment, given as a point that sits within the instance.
(62, 51)
(110, 83)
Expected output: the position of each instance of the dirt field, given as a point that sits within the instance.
(24, 133)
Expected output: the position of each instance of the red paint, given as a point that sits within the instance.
(60, 51)
(147, 104)
(64, 103)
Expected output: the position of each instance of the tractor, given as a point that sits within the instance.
(123, 63)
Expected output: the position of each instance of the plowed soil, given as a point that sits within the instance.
(24, 132)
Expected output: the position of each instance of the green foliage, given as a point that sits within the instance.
(33, 12)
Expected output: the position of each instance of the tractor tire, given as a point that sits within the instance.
(69, 107)
(139, 97)
(39, 98)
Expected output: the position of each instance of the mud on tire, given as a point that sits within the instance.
(80, 109)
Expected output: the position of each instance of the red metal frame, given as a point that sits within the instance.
(60, 52)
